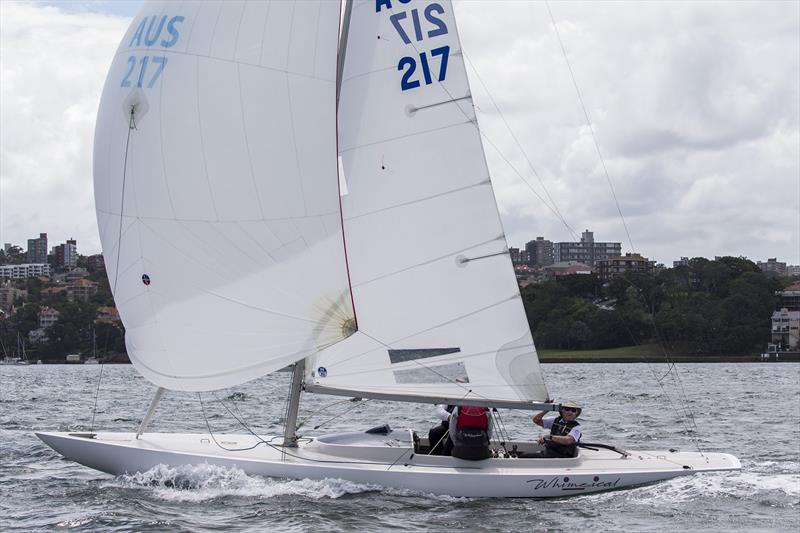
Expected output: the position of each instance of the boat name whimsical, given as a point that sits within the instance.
(564, 483)
(152, 31)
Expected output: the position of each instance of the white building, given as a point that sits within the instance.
(47, 317)
(25, 270)
(786, 329)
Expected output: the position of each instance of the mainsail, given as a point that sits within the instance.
(216, 189)
(438, 308)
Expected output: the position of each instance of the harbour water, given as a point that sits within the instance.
(751, 410)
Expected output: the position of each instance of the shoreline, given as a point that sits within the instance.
(792, 357)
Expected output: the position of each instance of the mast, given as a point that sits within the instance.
(348, 9)
(150, 411)
(296, 387)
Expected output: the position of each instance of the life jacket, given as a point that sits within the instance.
(472, 417)
(471, 439)
(560, 428)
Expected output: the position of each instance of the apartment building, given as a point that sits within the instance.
(25, 270)
(586, 251)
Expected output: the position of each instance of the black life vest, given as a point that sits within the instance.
(560, 428)
(472, 417)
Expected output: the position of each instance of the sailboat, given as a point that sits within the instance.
(21, 358)
(93, 360)
(283, 183)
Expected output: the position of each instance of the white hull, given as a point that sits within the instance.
(387, 460)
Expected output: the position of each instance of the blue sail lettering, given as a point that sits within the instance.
(173, 31)
(150, 38)
(380, 4)
(137, 35)
(430, 14)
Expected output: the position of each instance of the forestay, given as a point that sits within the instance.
(216, 189)
(438, 308)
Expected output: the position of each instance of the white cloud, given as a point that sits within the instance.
(52, 68)
(695, 105)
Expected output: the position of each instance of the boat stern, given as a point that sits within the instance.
(696, 461)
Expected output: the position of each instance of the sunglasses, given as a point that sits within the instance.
(570, 409)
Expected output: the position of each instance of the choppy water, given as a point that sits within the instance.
(752, 410)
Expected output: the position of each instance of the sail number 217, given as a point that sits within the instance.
(419, 25)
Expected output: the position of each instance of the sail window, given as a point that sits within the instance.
(401, 356)
(449, 373)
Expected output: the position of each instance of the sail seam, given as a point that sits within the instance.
(250, 164)
(414, 134)
(418, 200)
(430, 261)
(203, 160)
(291, 358)
(442, 359)
(441, 324)
(223, 221)
(285, 70)
(221, 296)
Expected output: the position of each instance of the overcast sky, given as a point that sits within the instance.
(695, 108)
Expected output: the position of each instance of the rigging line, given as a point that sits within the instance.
(677, 382)
(260, 440)
(445, 358)
(673, 369)
(211, 433)
(131, 127)
(501, 429)
(359, 402)
(325, 408)
(526, 182)
(96, 394)
(474, 120)
(686, 428)
(589, 123)
(438, 442)
(468, 259)
(448, 255)
(441, 324)
(446, 379)
(419, 200)
(555, 208)
(446, 433)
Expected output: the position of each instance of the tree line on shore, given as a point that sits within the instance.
(77, 329)
(719, 307)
